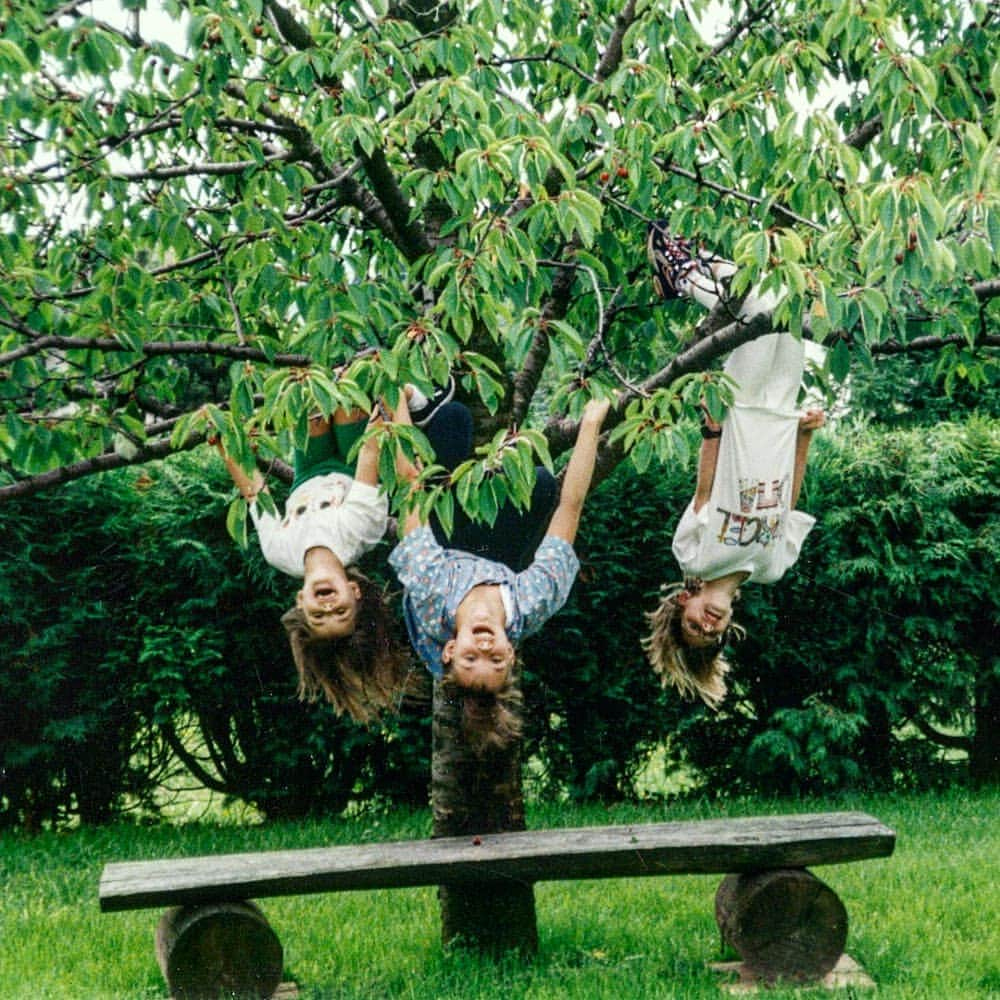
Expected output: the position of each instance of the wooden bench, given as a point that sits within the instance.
(784, 922)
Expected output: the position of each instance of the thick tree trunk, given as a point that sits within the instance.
(473, 795)
(984, 758)
(876, 746)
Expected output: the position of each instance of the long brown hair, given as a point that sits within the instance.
(361, 674)
(696, 671)
(490, 721)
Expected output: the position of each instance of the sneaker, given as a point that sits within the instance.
(682, 271)
(423, 414)
(671, 258)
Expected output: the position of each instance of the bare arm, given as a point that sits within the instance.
(367, 469)
(813, 420)
(576, 480)
(405, 469)
(708, 458)
(249, 486)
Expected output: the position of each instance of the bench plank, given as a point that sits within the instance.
(718, 846)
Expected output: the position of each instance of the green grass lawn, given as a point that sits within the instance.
(923, 923)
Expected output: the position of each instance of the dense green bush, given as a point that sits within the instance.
(69, 725)
(595, 708)
(887, 628)
(138, 627)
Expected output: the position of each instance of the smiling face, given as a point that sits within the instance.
(480, 656)
(328, 599)
(704, 617)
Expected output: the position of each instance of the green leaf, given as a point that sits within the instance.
(840, 360)
(236, 521)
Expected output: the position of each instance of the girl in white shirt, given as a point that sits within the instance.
(741, 525)
(342, 635)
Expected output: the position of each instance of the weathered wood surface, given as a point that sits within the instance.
(785, 924)
(709, 846)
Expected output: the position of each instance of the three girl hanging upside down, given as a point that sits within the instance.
(471, 596)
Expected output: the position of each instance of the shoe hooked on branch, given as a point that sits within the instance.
(422, 408)
(682, 270)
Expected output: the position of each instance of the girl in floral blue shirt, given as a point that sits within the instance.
(465, 613)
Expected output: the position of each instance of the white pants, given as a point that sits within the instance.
(768, 372)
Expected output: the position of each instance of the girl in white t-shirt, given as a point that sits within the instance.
(741, 525)
(341, 632)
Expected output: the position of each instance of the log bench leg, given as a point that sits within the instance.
(218, 949)
(785, 924)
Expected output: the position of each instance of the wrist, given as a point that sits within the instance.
(710, 433)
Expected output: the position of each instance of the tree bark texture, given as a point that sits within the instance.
(470, 796)
(786, 925)
(984, 758)
(218, 949)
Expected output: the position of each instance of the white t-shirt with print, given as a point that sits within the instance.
(746, 525)
(332, 511)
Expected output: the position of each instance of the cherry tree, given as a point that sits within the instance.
(208, 208)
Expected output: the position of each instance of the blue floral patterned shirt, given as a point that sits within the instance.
(435, 581)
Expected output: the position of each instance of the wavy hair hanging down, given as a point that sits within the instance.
(490, 721)
(696, 671)
(362, 674)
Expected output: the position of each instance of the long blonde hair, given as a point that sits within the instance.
(696, 671)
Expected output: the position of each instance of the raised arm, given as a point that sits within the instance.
(249, 486)
(576, 480)
(708, 458)
(405, 469)
(367, 470)
(811, 421)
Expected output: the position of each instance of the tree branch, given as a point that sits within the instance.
(202, 169)
(889, 347)
(941, 739)
(985, 290)
(191, 762)
(612, 57)
(561, 432)
(864, 133)
(556, 305)
(784, 214)
(89, 466)
(752, 15)
(155, 349)
(394, 219)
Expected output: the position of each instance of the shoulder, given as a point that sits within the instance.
(555, 562)
(416, 551)
(556, 550)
